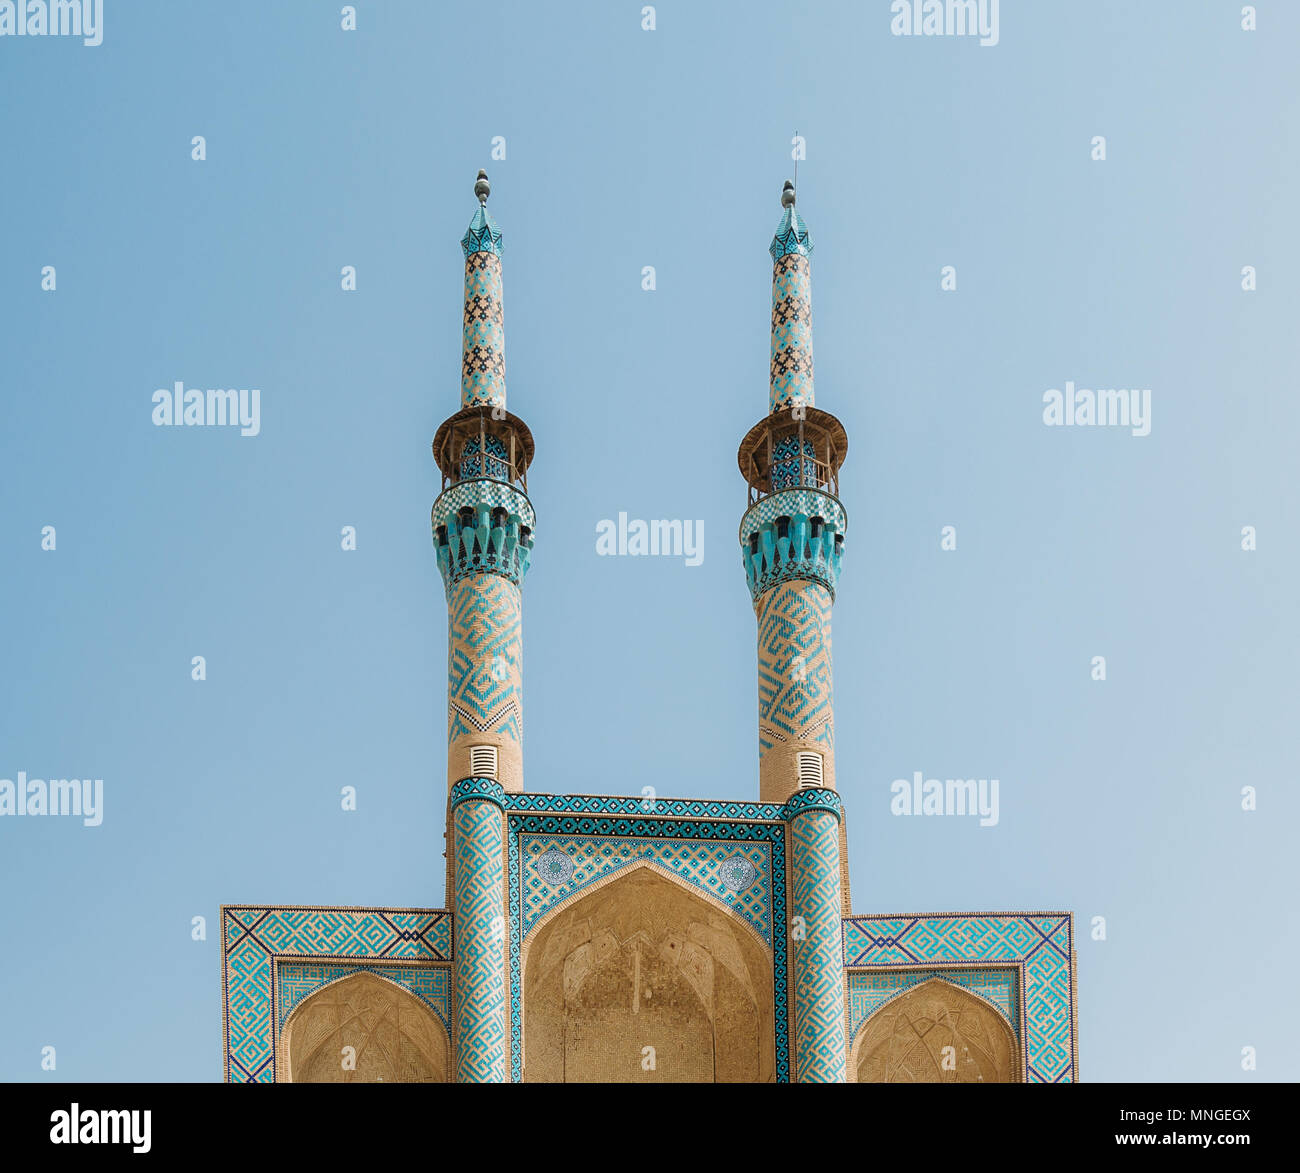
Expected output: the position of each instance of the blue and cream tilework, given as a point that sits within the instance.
(809, 502)
(818, 970)
(477, 493)
(738, 874)
(868, 991)
(1039, 944)
(257, 939)
(793, 544)
(479, 1014)
(552, 838)
(483, 356)
(485, 651)
(795, 695)
(792, 352)
(489, 541)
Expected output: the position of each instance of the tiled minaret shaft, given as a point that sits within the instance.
(482, 529)
(791, 379)
(483, 353)
(483, 525)
(792, 538)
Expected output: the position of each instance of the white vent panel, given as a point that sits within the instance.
(810, 769)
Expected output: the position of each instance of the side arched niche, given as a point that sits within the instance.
(936, 1032)
(394, 1037)
(646, 979)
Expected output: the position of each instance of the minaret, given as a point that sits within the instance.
(483, 532)
(792, 539)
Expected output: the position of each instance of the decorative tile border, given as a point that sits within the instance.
(295, 981)
(488, 788)
(788, 502)
(869, 990)
(256, 938)
(567, 816)
(592, 858)
(1040, 943)
(674, 808)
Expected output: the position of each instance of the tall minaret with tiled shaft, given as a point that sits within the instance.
(792, 540)
(483, 532)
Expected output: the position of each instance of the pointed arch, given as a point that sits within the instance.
(936, 1032)
(643, 976)
(393, 1036)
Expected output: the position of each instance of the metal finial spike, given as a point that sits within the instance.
(482, 188)
(787, 195)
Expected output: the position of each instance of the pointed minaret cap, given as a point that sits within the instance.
(483, 235)
(792, 234)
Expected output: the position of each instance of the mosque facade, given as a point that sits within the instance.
(599, 938)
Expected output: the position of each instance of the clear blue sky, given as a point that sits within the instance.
(624, 149)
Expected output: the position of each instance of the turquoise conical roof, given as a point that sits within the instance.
(482, 235)
(792, 236)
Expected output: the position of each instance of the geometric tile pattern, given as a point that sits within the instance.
(700, 862)
(255, 938)
(813, 798)
(1041, 943)
(869, 991)
(818, 969)
(788, 471)
(482, 235)
(480, 1005)
(485, 659)
(483, 356)
(493, 494)
(636, 809)
(794, 667)
(810, 502)
(475, 462)
(793, 545)
(723, 828)
(792, 236)
(792, 353)
(431, 984)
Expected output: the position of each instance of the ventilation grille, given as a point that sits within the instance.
(483, 761)
(810, 769)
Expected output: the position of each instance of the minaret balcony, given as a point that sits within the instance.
(795, 524)
(795, 447)
(484, 442)
(483, 521)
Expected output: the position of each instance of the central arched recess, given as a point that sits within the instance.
(647, 980)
